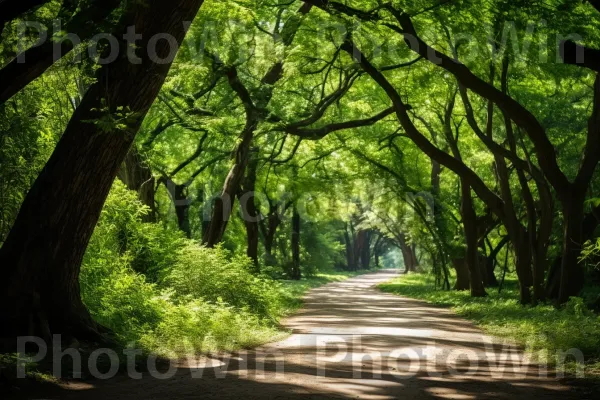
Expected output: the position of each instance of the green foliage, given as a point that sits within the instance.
(543, 329)
(172, 296)
(217, 276)
(204, 301)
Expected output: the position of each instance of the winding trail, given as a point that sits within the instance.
(351, 341)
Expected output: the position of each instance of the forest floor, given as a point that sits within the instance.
(349, 341)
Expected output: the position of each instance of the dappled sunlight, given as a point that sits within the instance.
(391, 348)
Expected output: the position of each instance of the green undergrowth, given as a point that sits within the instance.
(170, 296)
(544, 330)
(167, 295)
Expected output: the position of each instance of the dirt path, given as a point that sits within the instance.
(350, 342)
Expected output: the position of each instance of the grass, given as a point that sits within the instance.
(543, 330)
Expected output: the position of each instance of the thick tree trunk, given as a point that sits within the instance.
(415, 261)
(572, 273)
(462, 274)
(269, 228)
(471, 238)
(407, 254)
(137, 176)
(224, 204)
(589, 225)
(41, 257)
(376, 250)
(250, 213)
(362, 248)
(296, 273)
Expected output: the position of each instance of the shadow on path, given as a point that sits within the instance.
(349, 341)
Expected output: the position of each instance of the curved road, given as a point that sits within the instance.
(351, 341)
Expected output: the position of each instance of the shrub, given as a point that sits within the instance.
(216, 276)
(191, 298)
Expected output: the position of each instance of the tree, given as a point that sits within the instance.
(42, 254)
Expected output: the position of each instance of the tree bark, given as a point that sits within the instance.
(407, 254)
(41, 257)
(462, 274)
(471, 253)
(362, 248)
(224, 204)
(250, 213)
(254, 115)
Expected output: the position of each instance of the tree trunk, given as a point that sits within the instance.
(490, 263)
(572, 273)
(362, 248)
(376, 249)
(589, 225)
(462, 274)
(415, 261)
(407, 254)
(224, 204)
(296, 273)
(41, 257)
(182, 208)
(250, 213)
(471, 254)
(523, 256)
(269, 232)
(349, 250)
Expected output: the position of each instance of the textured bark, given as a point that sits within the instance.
(41, 258)
(467, 210)
(377, 249)
(362, 244)
(490, 263)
